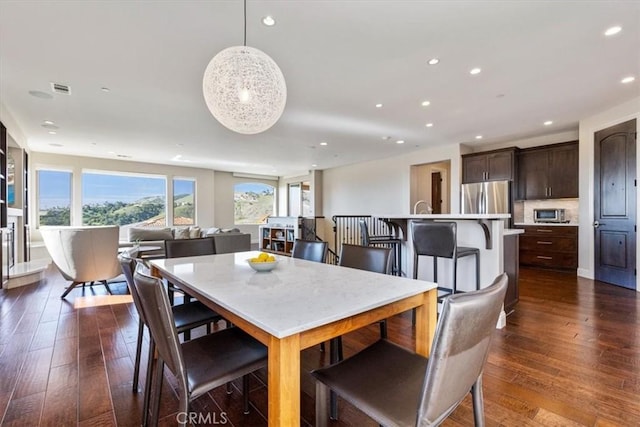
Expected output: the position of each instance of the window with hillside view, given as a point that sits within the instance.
(184, 193)
(253, 202)
(54, 197)
(123, 199)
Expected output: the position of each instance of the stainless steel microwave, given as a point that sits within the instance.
(549, 215)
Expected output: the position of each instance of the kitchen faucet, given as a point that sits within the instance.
(415, 207)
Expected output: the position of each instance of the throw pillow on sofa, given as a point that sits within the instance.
(143, 234)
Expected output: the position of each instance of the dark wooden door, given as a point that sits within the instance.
(534, 168)
(474, 168)
(436, 192)
(563, 171)
(615, 205)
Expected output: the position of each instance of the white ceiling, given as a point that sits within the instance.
(540, 60)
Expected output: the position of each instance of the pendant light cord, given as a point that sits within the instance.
(245, 23)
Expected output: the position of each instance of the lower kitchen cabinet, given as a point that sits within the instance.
(546, 246)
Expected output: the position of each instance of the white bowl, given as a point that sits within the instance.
(263, 266)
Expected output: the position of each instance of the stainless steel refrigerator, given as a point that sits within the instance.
(486, 198)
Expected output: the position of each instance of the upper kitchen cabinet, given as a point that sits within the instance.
(497, 165)
(549, 172)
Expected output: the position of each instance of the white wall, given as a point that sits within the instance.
(383, 186)
(588, 126)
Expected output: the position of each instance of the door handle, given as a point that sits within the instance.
(596, 224)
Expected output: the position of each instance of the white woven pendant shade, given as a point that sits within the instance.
(244, 89)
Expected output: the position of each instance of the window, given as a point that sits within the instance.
(54, 197)
(253, 202)
(184, 193)
(123, 199)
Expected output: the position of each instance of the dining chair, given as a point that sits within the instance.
(397, 387)
(199, 365)
(311, 250)
(186, 317)
(369, 258)
(178, 248)
(392, 241)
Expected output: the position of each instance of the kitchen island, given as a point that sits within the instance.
(483, 231)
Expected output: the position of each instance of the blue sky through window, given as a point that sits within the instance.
(99, 188)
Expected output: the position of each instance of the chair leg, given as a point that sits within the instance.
(136, 364)
(478, 402)
(70, 288)
(156, 399)
(383, 329)
(245, 393)
(106, 285)
(151, 360)
(477, 271)
(334, 357)
(321, 404)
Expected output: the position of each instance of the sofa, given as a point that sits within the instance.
(226, 240)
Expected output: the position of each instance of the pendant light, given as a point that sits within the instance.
(244, 88)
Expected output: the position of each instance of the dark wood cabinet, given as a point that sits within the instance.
(511, 267)
(495, 165)
(549, 172)
(549, 246)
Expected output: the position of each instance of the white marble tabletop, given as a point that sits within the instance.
(296, 296)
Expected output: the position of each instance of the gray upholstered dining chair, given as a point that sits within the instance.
(397, 387)
(201, 364)
(311, 250)
(369, 258)
(178, 248)
(186, 316)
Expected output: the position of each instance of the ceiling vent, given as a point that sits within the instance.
(60, 88)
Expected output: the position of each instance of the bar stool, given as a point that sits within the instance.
(438, 239)
(392, 241)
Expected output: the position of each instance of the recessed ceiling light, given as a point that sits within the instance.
(49, 126)
(314, 165)
(429, 125)
(400, 141)
(478, 136)
(425, 103)
(52, 132)
(628, 79)
(105, 89)
(378, 105)
(433, 61)
(386, 138)
(323, 143)
(475, 71)
(48, 122)
(269, 21)
(40, 94)
(613, 30)
(548, 123)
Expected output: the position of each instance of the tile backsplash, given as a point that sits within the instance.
(523, 210)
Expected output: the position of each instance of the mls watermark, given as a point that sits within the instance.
(195, 418)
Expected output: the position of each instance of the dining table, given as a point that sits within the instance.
(296, 305)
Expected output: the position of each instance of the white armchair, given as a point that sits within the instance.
(84, 254)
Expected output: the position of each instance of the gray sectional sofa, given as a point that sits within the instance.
(226, 241)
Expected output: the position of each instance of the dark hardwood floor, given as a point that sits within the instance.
(569, 356)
